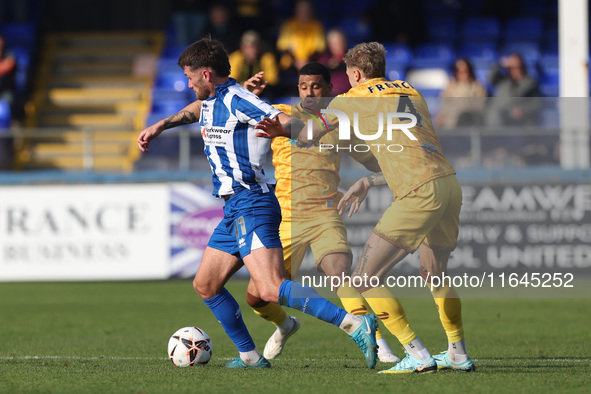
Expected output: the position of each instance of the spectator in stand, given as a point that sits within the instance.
(7, 73)
(189, 17)
(222, 27)
(333, 59)
(251, 59)
(508, 108)
(458, 106)
(301, 37)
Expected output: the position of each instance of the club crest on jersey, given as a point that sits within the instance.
(429, 147)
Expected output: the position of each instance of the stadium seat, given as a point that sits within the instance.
(168, 65)
(433, 56)
(549, 63)
(173, 51)
(519, 29)
(481, 74)
(481, 54)
(394, 74)
(529, 51)
(442, 30)
(480, 29)
(356, 30)
(5, 114)
(19, 34)
(169, 100)
(549, 81)
(22, 55)
(172, 80)
(397, 55)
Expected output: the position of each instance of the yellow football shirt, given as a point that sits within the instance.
(308, 178)
(406, 163)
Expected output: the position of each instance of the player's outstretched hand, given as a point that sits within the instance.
(255, 83)
(354, 197)
(270, 128)
(146, 136)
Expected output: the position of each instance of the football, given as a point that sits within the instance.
(189, 346)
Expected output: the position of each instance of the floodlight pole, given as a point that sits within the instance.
(573, 33)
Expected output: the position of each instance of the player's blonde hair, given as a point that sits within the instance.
(369, 58)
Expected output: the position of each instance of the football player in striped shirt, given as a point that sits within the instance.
(249, 232)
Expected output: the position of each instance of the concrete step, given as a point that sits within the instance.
(104, 121)
(62, 96)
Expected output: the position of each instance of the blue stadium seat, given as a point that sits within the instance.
(481, 74)
(356, 30)
(169, 106)
(523, 29)
(481, 54)
(433, 56)
(394, 74)
(5, 114)
(442, 30)
(529, 51)
(170, 101)
(480, 29)
(549, 90)
(22, 55)
(549, 63)
(397, 55)
(168, 65)
(172, 80)
(550, 77)
(430, 92)
(19, 34)
(173, 51)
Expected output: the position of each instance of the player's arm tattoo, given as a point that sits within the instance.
(376, 179)
(179, 119)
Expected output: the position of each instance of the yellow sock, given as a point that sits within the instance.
(271, 312)
(354, 303)
(450, 312)
(391, 313)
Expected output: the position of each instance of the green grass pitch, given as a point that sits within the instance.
(112, 337)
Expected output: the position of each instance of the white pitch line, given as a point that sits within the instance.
(485, 360)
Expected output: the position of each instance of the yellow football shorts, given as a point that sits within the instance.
(324, 234)
(429, 214)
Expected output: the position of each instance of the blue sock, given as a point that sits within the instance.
(226, 310)
(307, 300)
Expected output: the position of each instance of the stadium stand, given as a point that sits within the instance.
(93, 92)
(62, 95)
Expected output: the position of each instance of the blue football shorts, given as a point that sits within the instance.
(251, 221)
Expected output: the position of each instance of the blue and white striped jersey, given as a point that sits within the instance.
(235, 154)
